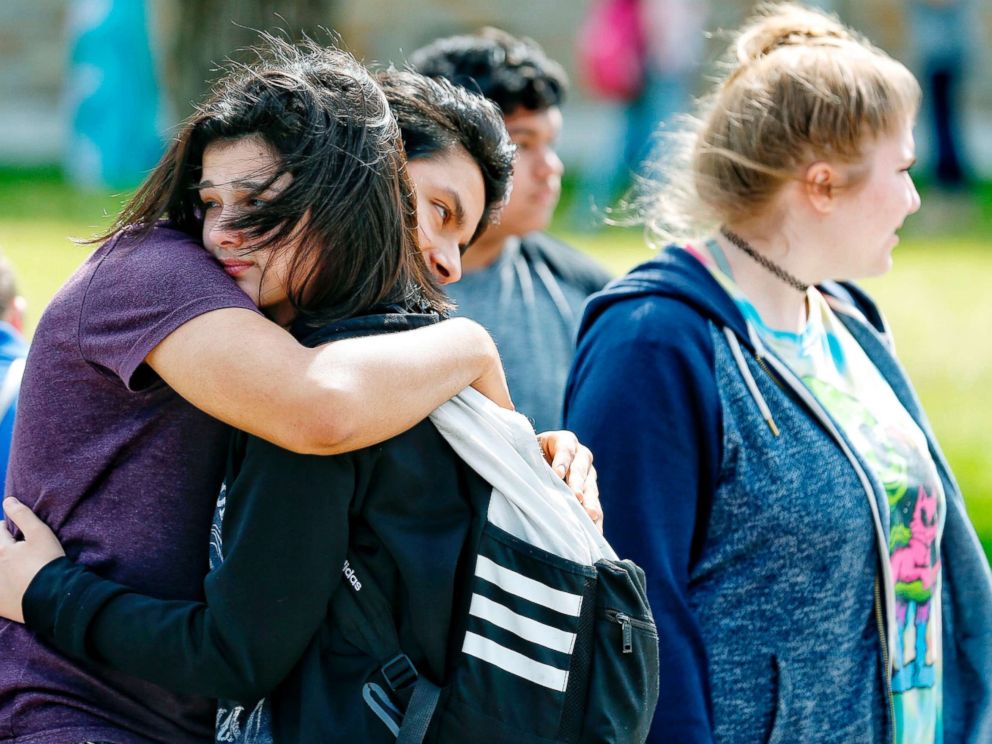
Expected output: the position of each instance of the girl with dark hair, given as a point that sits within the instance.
(293, 171)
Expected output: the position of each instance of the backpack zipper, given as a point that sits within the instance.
(627, 624)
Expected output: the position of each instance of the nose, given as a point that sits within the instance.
(222, 235)
(445, 261)
(549, 164)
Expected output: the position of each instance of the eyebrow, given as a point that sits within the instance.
(530, 130)
(459, 210)
(239, 185)
(519, 129)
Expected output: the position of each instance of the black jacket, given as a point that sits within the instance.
(405, 506)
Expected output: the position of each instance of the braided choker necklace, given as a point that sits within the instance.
(767, 263)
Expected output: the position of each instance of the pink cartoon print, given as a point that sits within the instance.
(915, 567)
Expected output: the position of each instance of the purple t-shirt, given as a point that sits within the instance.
(124, 470)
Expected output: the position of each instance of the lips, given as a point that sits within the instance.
(234, 267)
(545, 196)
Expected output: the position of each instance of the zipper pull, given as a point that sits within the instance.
(625, 629)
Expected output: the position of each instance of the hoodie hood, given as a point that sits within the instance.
(379, 320)
(677, 274)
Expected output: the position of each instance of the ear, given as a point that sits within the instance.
(820, 186)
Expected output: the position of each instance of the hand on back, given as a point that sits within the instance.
(20, 561)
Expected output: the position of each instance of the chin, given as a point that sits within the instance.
(540, 222)
(880, 269)
(249, 288)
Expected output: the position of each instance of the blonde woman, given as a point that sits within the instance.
(811, 566)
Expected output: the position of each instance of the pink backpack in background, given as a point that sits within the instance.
(611, 49)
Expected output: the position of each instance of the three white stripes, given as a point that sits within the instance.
(526, 587)
(524, 627)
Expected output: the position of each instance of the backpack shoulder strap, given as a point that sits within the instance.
(363, 615)
(419, 712)
(360, 610)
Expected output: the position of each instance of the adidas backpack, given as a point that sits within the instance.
(559, 642)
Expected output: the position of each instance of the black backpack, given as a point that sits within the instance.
(551, 649)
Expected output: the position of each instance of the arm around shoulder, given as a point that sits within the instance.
(246, 371)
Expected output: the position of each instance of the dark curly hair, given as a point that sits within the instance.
(513, 72)
(349, 212)
(435, 116)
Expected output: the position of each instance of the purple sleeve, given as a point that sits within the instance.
(142, 290)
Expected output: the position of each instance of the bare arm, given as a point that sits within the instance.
(248, 372)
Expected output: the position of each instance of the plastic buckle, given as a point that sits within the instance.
(399, 672)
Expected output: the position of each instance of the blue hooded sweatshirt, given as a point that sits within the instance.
(764, 536)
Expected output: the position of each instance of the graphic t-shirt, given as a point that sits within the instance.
(843, 379)
(238, 722)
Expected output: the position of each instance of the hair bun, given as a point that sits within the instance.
(778, 25)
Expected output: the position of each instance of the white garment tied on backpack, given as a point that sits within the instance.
(528, 500)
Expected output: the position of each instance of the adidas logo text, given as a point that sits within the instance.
(349, 574)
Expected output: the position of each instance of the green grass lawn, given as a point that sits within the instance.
(39, 218)
(937, 299)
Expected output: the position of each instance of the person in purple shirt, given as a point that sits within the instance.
(150, 352)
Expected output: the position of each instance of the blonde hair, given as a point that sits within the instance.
(799, 86)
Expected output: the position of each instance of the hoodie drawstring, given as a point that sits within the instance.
(749, 381)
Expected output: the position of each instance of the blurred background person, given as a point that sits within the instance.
(113, 95)
(941, 39)
(526, 288)
(662, 52)
(13, 350)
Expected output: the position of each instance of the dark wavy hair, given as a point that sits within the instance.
(436, 116)
(513, 72)
(349, 210)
